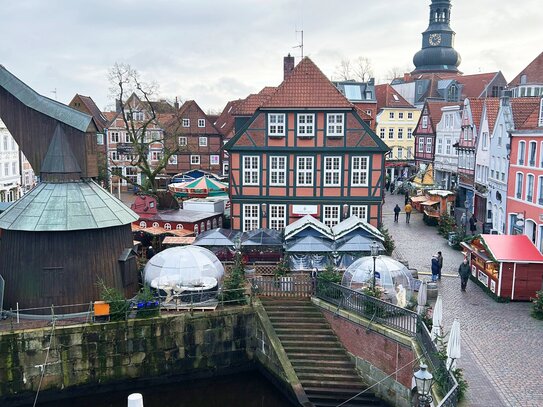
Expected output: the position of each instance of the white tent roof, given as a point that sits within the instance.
(353, 222)
(305, 222)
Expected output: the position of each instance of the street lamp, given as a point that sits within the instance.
(424, 381)
(374, 251)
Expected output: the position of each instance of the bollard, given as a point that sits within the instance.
(135, 400)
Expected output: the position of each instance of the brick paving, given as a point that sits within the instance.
(501, 343)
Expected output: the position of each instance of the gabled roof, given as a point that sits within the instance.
(59, 158)
(42, 104)
(474, 86)
(308, 221)
(476, 108)
(512, 248)
(352, 223)
(252, 102)
(533, 72)
(434, 110)
(492, 107)
(307, 87)
(99, 118)
(188, 110)
(522, 109)
(387, 96)
(226, 121)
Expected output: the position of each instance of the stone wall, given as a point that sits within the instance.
(180, 345)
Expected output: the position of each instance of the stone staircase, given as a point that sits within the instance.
(324, 368)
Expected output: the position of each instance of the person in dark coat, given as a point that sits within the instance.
(406, 200)
(464, 272)
(396, 212)
(473, 224)
(392, 186)
(440, 262)
(435, 267)
(150, 252)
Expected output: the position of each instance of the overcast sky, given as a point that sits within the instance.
(215, 51)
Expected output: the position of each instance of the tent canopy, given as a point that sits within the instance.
(218, 237)
(306, 222)
(309, 244)
(262, 237)
(199, 187)
(354, 223)
(357, 243)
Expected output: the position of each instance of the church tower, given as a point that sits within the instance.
(437, 53)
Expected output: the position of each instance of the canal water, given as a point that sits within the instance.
(249, 389)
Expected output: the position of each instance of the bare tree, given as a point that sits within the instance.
(396, 72)
(142, 127)
(343, 70)
(363, 69)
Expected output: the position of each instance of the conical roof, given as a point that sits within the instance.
(66, 206)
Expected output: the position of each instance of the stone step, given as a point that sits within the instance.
(330, 377)
(351, 384)
(345, 368)
(309, 340)
(295, 319)
(295, 348)
(296, 354)
(322, 325)
(323, 364)
(290, 330)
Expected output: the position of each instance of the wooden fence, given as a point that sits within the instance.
(295, 285)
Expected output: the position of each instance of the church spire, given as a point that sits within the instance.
(437, 53)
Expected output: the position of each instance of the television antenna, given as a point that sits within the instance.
(301, 45)
(54, 91)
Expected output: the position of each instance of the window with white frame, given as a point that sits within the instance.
(172, 160)
(185, 122)
(335, 124)
(305, 125)
(114, 155)
(540, 190)
(278, 219)
(382, 132)
(360, 211)
(530, 188)
(428, 144)
(359, 171)
(202, 141)
(409, 132)
(391, 132)
(276, 124)
(518, 185)
(521, 152)
(195, 230)
(400, 133)
(251, 217)
(409, 115)
(182, 141)
(330, 215)
(484, 143)
(440, 146)
(278, 170)
(195, 160)
(391, 115)
(114, 136)
(421, 144)
(424, 122)
(201, 123)
(155, 155)
(532, 153)
(448, 146)
(304, 171)
(400, 115)
(540, 122)
(99, 139)
(251, 170)
(332, 171)
(214, 159)
(400, 153)
(541, 159)
(168, 226)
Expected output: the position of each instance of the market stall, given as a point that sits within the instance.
(509, 265)
(262, 245)
(222, 242)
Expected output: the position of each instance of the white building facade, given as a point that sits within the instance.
(10, 177)
(446, 158)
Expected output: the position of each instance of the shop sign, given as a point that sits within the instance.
(304, 209)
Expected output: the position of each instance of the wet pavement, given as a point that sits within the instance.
(502, 355)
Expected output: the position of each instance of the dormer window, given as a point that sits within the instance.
(276, 124)
(306, 125)
(335, 124)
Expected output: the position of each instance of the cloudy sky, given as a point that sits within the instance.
(213, 51)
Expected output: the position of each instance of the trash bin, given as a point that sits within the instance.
(451, 238)
(431, 291)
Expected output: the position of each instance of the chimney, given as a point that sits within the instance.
(118, 105)
(176, 104)
(406, 77)
(371, 82)
(288, 66)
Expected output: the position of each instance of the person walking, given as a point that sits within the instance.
(406, 200)
(463, 270)
(473, 224)
(396, 212)
(464, 222)
(440, 263)
(435, 267)
(408, 208)
(392, 186)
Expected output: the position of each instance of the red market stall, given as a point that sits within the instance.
(509, 265)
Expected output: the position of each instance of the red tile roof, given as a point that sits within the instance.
(252, 102)
(307, 87)
(492, 108)
(91, 108)
(476, 107)
(387, 96)
(434, 109)
(475, 85)
(225, 122)
(533, 72)
(523, 108)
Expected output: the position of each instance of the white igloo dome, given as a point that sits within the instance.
(184, 267)
(392, 276)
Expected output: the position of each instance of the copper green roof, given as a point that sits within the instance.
(42, 104)
(66, 206)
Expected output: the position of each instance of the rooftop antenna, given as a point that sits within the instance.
(55, 92)
(301, 45)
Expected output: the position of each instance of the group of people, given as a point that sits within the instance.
(463, 270)
(408, 209)
(472, 223)
(437, 265)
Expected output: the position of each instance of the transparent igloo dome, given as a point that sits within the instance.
(184, 269)
(392, 276)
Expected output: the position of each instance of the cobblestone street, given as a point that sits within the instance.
(501, 343)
